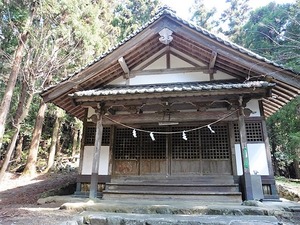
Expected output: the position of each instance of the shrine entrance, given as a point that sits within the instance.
(204, 152)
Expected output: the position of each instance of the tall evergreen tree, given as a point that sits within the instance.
(202, 16)
(234, 17)
(77, 32)
(273, 31)
(265, 32)
(129, 15)
(23, 33)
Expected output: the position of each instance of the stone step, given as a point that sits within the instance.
(154, 219)
(172, 187)
(161, 195)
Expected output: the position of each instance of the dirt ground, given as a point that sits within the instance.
(19, 195)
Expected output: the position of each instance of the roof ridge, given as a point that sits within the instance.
(167, 10)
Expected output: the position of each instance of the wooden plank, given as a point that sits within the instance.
(175, 117)
(169, 71)
(87, 178)
(216, 167)
(126, 167)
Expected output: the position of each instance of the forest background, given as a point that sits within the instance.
(43, 41)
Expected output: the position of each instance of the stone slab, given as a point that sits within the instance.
(94, 218)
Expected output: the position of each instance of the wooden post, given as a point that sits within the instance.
(96, 156)
(246, 178)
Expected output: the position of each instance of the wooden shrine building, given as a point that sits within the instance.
(174, 111)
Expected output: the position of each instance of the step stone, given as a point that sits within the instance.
(154, 219)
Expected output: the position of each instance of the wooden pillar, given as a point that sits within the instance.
(246, 178)
(96, 155)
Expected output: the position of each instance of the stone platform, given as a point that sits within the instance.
(182, 212)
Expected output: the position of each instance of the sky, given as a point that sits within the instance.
(182, 6)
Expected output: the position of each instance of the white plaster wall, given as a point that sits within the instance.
(169, 78)
(238, 159)
(160, 63)
(257, 159)
(219, 75)
(253, 104)
(175, 62)
(91, 111)
(88, 160)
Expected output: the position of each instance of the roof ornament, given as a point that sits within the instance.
(165, 8)
(165, 36)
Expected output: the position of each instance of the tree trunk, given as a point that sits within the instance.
(75, 141)
(296, 168)
(79, 139)
(53, 142)
(58, 144)
(22, 111)
(19, 149)
(7, 97)
(30, 168)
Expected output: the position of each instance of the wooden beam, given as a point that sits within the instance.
(284, 90)
(288, 86)
(269, 101)
(169, 71)
(271, 106)
(212, 61)
(124, 67)
(229, 93)
(180, 117)
(259, 66)
(282, 95)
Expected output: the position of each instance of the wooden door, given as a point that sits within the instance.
(153, 155)
(215, 150)
(141, 155)
(126, 159)
(203, 153)
(185, 155)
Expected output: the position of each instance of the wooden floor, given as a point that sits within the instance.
(206, 188)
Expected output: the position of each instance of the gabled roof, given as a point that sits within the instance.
(193, 41)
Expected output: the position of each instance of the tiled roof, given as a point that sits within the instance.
(167, 11)
(175, 87)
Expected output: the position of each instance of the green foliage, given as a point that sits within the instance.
(273, 32)
(129, 15)
(234, 17)
(12, 18)
(202, 16)
(284, 133)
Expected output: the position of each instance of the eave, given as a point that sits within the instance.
(195, 42)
